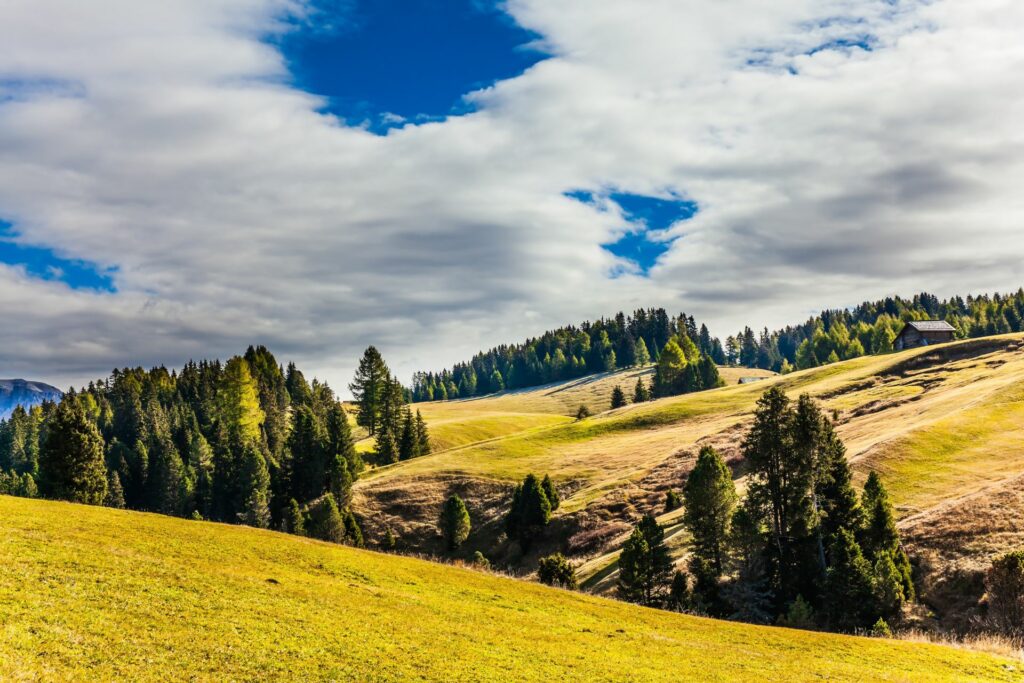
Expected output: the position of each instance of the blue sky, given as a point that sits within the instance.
(45, 264)
(411, 58)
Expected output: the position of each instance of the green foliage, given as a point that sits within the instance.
(710, 498)
(880, 536)
(642, 354)
(1004, 590)
(881, 629)
(71, 464)
(583, 412)
(672, 501)
(369, 387)
(529, 512)
(294, 520)
(641, 392)
(115, 493)
(326, 521)
(454, 523)
(481, 561)
(799, 615)
(849, 588)
(679, 597)
(555, 570)
(618, 397)
(238, 402)
(550, 492)
(644, 564)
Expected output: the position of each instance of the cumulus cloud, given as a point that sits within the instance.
(838, 151)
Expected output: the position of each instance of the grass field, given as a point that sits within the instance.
(939, 424)
(91, 593)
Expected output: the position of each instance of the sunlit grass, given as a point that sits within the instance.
(96, 594)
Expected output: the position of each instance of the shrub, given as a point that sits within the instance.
(583, 412)
(881, 629)
(555, 570)
(1004, 586)
(454, 523)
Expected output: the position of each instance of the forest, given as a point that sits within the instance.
(247, 441)
(627, 341)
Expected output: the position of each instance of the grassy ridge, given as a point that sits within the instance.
(95, 594)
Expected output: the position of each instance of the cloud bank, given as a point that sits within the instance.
(837, 150)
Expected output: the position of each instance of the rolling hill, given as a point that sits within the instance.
(944, 426)
(89, 593)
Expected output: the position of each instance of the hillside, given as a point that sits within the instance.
(90, 593)
(944, 427)
(15, 392)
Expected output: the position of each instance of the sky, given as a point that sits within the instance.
(180, 180)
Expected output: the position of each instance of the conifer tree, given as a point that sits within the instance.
(387, 450)
(618, 397)
(294, 522)
(255, 488)
(529, 513)
(641, 394)
(369, 389)
(238, 402)
(455, 523)
(880, 535)
(644, 564)
(850, 594)
(353, 534)
(326, 521)
(550, 492)
(643, 355)
(408, 444)
(115, 494)
(422, 435)
(71, 465)
(668, 372)
(710, 498)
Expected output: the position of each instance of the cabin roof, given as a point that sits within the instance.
(931, 326)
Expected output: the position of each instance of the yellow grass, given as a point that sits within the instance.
(96, 594)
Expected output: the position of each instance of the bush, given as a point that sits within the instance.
(1004, 586)
(555, 570)
(672, 501)
(799, 615)
(881, 629)
(583, 412)
(481, 561)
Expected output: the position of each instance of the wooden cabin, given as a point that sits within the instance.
(924, 333)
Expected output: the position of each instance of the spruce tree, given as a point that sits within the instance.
(115, 494)
(294, 522)
(549, 491)
(408, 443)
(644, 564)
(849, 591)
(618, 397)
(368, 388)
(387, 450)
(353, 534)
(422, 435)
(455, 523)
(710, 498)
(880, 536)
(326, 521)
(238, 402)
(71, 465)
(529, 512)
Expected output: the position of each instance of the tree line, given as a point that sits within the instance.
(246, 441)
(566, 353)
(871, 328)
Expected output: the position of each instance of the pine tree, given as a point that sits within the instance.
(668, 372)
(408, 444)
(353, 534)
(618, 397)
(71, 464)
(254, 483)
(455, 523)
(880, 535)
(115, 494)
(326, 521)
(679, 598)
(307, 444)
(369, 387)
(550, 492)
(710, 498)
(644, 564)
(529, 512)
(422, 435)
(641, 394)
(850, 595)
(387, 450)
(294, 522)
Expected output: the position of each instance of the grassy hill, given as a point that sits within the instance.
(944, 426)
(97, 594)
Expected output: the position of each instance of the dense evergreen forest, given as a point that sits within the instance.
(246, 441)
(573, 351)
(871, 328)
(627, 341)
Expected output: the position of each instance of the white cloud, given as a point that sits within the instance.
(164, 139)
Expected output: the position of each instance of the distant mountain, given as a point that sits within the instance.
(15, 392)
